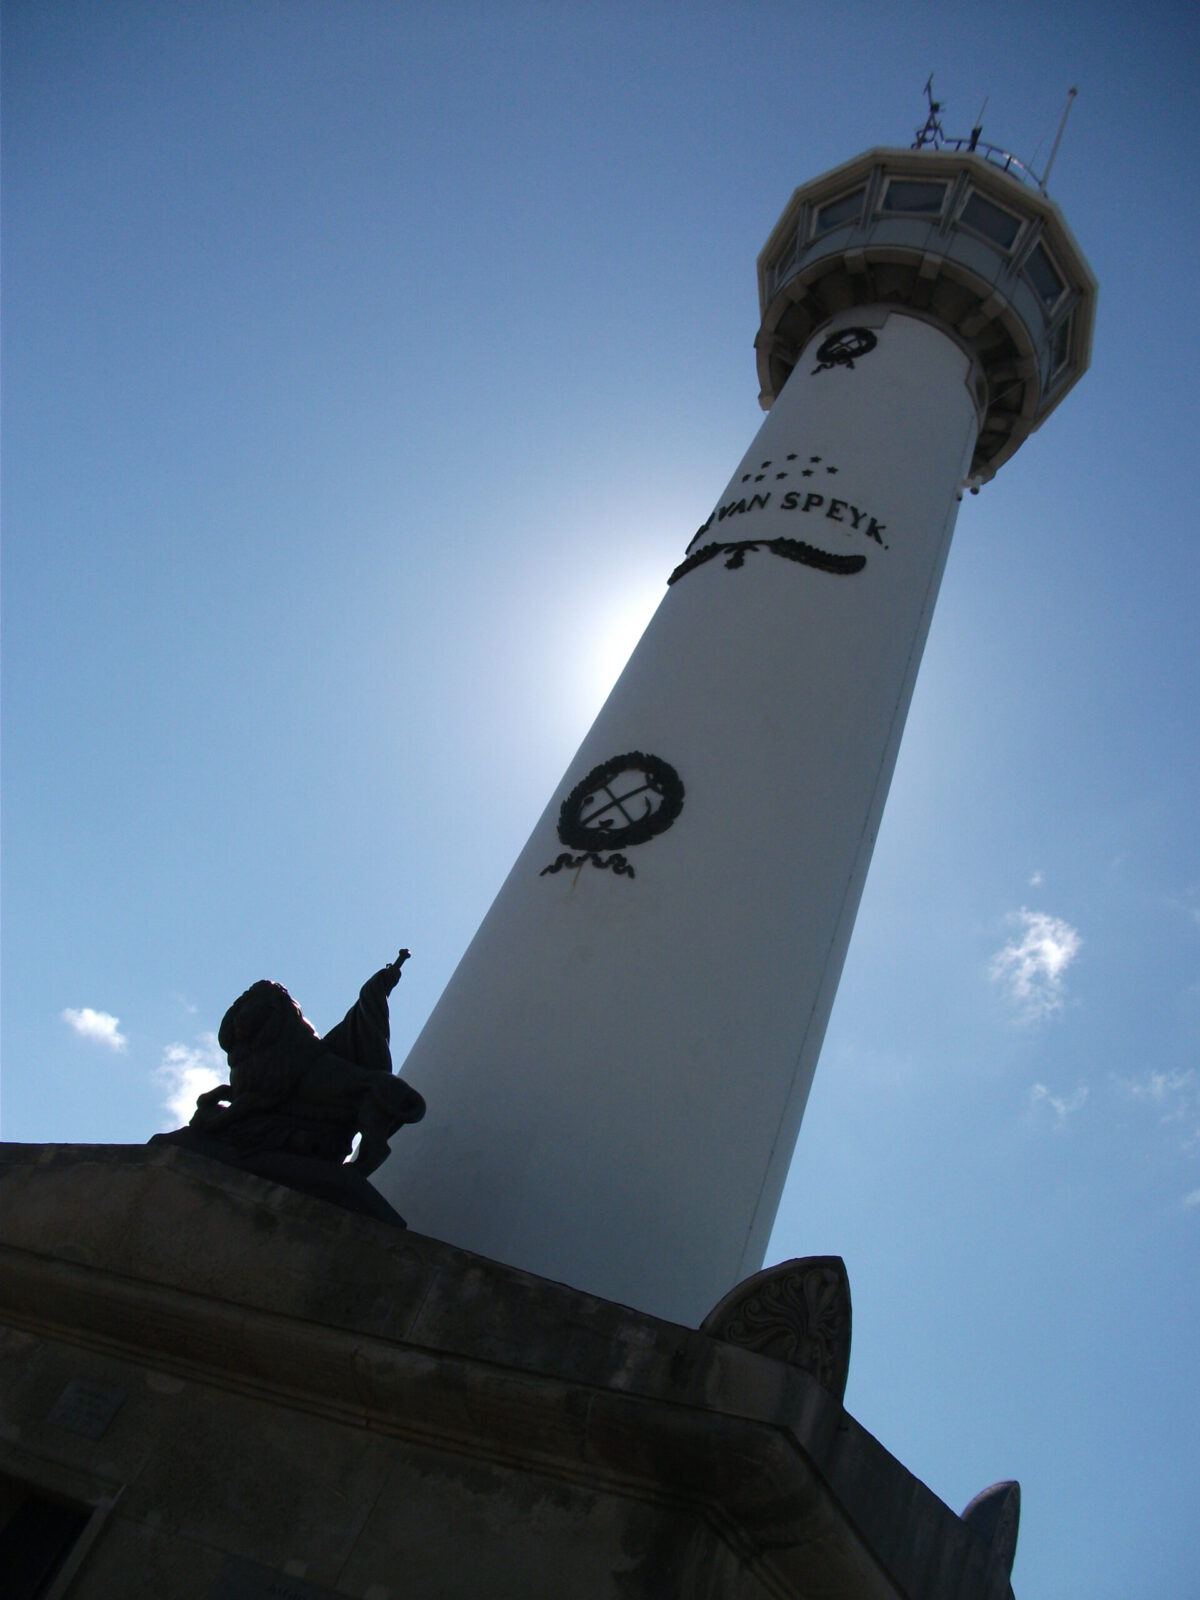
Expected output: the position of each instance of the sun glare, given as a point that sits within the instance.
(610, 634)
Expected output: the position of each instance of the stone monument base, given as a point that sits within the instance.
(217, 1388)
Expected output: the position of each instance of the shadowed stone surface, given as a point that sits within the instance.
(371, 1412)
(995, 1515)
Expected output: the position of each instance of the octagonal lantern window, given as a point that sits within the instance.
(914, 197)
(1045, 277)
(846, 208)
(1060, 346)
(995, 223)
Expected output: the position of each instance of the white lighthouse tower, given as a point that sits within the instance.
(617, 1071)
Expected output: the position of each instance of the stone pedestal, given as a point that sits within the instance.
(226, 1390)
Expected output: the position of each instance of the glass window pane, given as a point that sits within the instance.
(914, 198)
(1060, 347)
(1044, 276)
(992, 221)
(846, 208)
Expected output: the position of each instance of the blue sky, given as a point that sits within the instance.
(367, 368)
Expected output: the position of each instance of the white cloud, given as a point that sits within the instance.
(1171, 1091)
(1037, 878)
(100, 1026)
(1192, 1199)
(1058, 1105)
(1174, 1094)
(188, 1071)
(1033, 966)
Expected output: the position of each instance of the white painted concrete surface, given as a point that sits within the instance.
(617, 1071)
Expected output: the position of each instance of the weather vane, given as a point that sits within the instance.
(932, 132)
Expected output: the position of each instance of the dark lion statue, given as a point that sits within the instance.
(295, 1093)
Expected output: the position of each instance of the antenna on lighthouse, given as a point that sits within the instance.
(973, 141)
(931, 132)
(1071, 93)
(933, 136)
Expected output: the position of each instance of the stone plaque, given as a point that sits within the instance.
(86, 1408)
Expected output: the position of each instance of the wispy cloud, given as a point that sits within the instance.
(99, 1026)
(1173, 1093)
(1032, 966)
(188, 1071)
(1193, 1199)
(1037, 878)
(1058, 1106)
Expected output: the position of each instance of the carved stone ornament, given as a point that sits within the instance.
(798, 1312)
(294, 1101)
(995, 1515)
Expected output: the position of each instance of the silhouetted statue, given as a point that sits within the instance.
(295, 1101)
